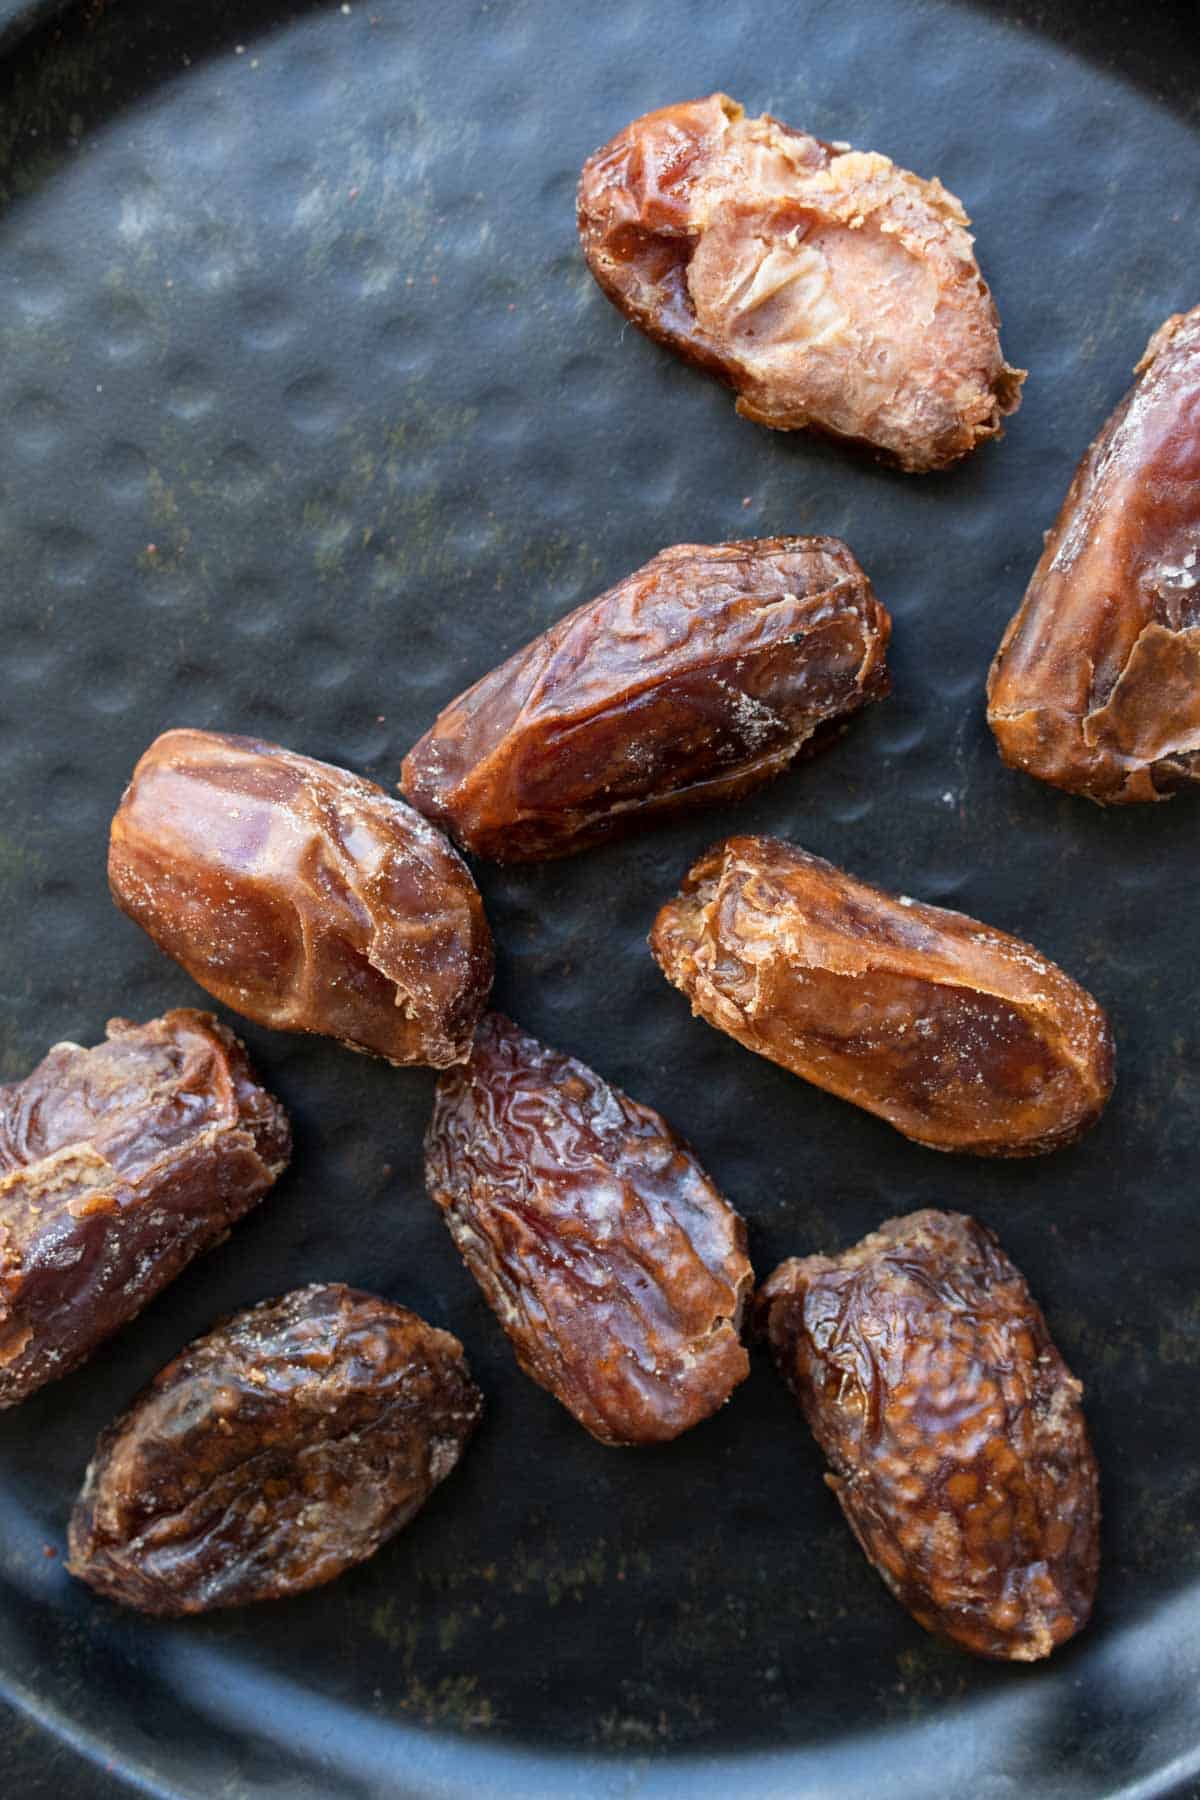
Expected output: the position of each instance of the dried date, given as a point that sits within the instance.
(694, 680)
(118, 1165)
(959, 1035)
(303, 896)
(953, 1428)
(272, 1454)
(610, 1259)
(832, 290)
(1096, 684)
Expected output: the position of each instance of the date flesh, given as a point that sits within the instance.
(274, 1453)
(953, 1428)
(694, 680)
(610, 1259)
(832, 290)
(302, 896)
(960, 1036)
(1096, 685)
(118, 1165)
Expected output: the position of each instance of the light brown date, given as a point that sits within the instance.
(959, 1035)
(118, 1165)
(303, 896)
(1096, 684)
(694, 680)
(832, 290)
(610, 1259)
(953, 1428)
(272, 1454)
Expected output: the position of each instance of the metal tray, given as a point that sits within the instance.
(311, 413)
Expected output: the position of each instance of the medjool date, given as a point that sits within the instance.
(959, 1035)
(830, 289)
(118, 1165)
(303, 896)
(274, 1453)
(610, 1259)
(1096, 685)
(694, 680)
(954, 1429)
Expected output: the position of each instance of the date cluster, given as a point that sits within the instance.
(832, 291)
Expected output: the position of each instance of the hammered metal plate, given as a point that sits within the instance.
(312, 413)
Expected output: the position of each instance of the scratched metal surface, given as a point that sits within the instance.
(311, 413)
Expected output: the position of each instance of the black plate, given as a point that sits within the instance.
(311, 412)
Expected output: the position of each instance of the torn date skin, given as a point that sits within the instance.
(960, 1036)
(692, 681)
(955, 1432)
(303, 896)
(118, 1165)
(609, 1257)
(272, 1454)
(1096, 685)
(830, 289)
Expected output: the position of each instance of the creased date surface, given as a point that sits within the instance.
(118, 1165)
(303, 896)
(954, 1429)
(273, 1453)
(695, 679)
(1096, 684)
(611, 1260)
(830, 288)
(961, 1036)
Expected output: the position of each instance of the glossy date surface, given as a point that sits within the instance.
(608, 1255)
(302, 896)
(693, 680)
(280, 1449)
(959, 1035)
(1096, 685)
(118, 1165)
(954, 1430)
(831, 289)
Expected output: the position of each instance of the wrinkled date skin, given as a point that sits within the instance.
(118, 1165)
(954, 1430)
(694, 680)
(302, 896)
(1096, 684)
(610, 1259)
(274, 1453)
(832, 290)
(958, 1035)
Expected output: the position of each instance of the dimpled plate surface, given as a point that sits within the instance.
(312, 413)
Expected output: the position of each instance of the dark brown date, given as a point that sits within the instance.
(953, 1427)
(118, 1165)
(1096, 684)
(302, 896)
(282, 1448)
(694, 680)
(959, 1035)
(610, 1259)
(832, 290)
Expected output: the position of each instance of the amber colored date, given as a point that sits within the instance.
(1096, 684)
(832, 290)
(272, 1454)
(694, 680)
(954, 1429)
(610, 1259)
(959, 1035)
(118, 1165)
(303, 896)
